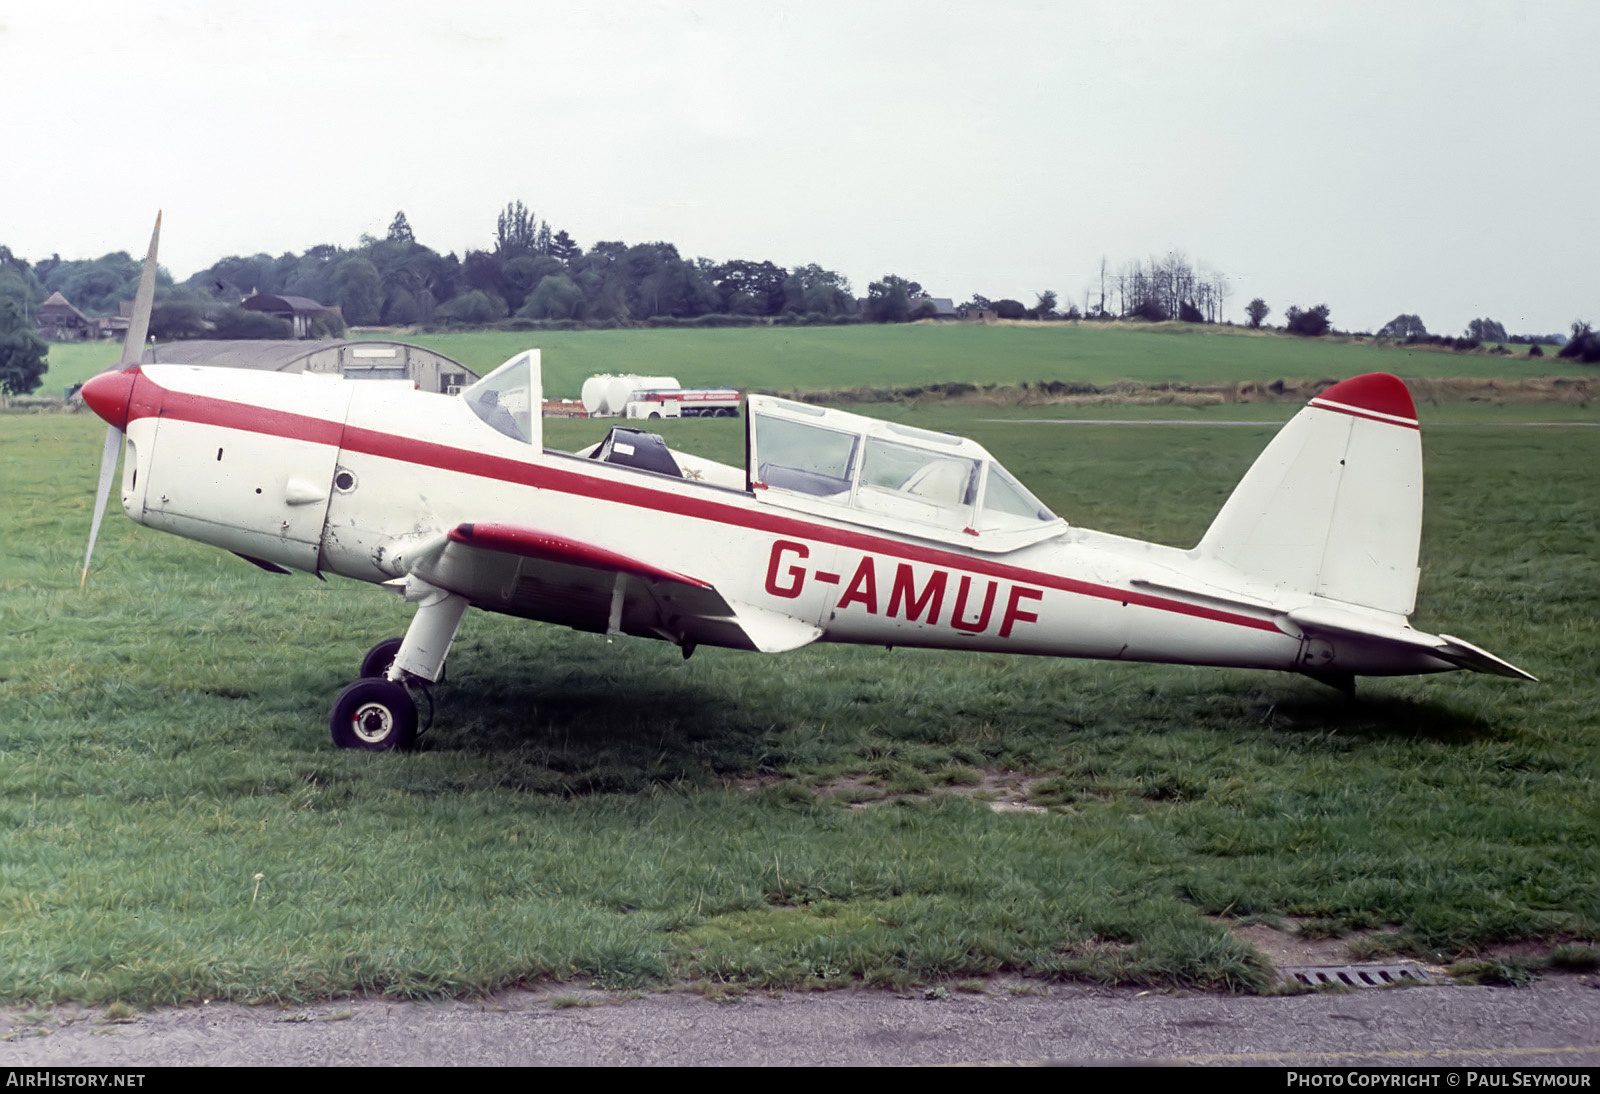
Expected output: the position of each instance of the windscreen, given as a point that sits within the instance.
(1008, 504)
(504, 399)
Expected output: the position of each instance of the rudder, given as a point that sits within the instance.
(1333, 506)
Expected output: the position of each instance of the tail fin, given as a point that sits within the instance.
(1333, 507)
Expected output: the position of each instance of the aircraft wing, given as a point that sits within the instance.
(536, 574)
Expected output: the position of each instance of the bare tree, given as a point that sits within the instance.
(1168, 286)
(1218, 290)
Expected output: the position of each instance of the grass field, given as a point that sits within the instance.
(822, 358)
(176, 825)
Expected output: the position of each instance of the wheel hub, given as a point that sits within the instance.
(373, 722)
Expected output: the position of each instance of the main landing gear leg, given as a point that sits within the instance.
(378, 713)
(427, 640)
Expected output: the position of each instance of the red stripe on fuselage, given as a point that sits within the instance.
(1354, 412)
(213, 411)
(208, 410)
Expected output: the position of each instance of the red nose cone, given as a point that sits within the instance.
(109, 394)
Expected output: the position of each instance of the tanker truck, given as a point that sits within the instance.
(630, 396)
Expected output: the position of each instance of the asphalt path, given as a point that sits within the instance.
(1554, 1023)
(1262, 422)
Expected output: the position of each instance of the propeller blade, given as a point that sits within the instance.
(132, 354)
(139, 325)
(108, 471)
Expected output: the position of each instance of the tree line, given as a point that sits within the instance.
(530, 271)
(533, 274)
(536, 273)
(1410, 329)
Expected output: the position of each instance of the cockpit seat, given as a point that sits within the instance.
(943, 482)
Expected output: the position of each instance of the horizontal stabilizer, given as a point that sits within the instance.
(1339, 621)
(1336, 622)
(1472, 657)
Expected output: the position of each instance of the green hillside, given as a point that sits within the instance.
(813, 358)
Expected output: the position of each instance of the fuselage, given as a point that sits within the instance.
(350, 478)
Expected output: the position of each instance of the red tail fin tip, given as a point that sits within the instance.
(1376, 393)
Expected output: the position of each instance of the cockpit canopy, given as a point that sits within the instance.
(510, 398)
(896, 477)
(816, 460)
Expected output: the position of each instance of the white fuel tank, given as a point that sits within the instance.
(604, 396)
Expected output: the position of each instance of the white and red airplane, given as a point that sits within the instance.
(839, 528)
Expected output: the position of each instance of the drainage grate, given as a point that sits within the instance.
(1356, 976)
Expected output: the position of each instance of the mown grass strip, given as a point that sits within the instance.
(581, 812)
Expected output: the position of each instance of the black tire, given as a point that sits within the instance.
(374, 716)
(380, 657)
(654, 414)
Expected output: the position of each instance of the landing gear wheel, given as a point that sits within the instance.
(375, 716)
(380, 657)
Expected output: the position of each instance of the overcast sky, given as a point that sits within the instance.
(1435, 158)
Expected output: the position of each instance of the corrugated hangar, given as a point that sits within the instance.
(354, 360)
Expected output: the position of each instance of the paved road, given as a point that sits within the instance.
(1261, 423)
(1554, 1023)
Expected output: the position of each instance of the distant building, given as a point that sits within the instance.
(59, 321)
(298, 310)
(979, 315)
(943, 307)
(354, 360)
